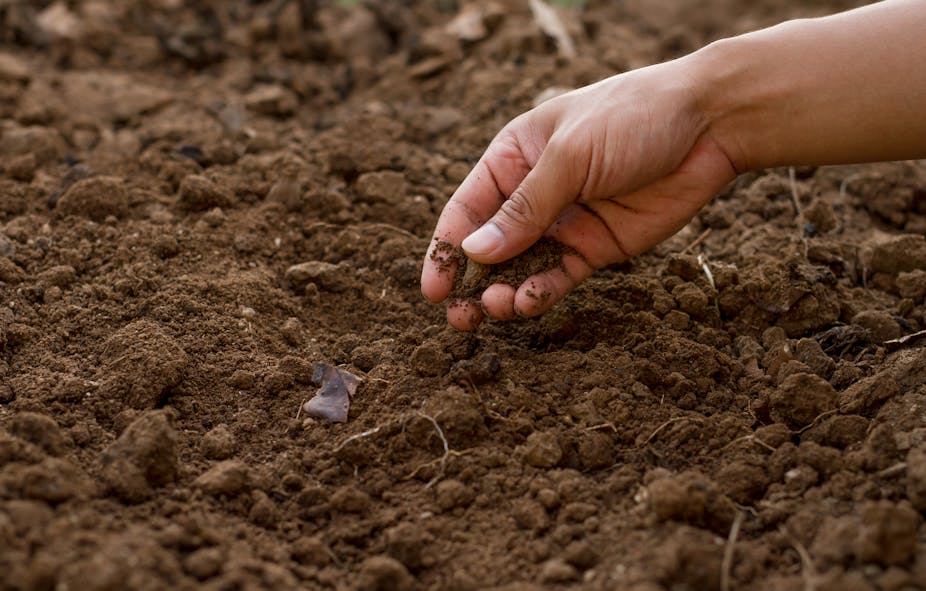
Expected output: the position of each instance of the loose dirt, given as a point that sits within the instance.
(200, 201)
(472, 278)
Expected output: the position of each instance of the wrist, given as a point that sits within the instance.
(715, 72)
(742, 93)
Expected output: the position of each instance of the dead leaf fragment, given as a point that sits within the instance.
(332, 400)
(549, 22)
(469, 25)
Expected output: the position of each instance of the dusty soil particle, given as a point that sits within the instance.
(204, 562)
(382, 573)
(311, 551)
(350, 500)
(888, 533)
(881, 325)
(896, 254)
(143, 457)
(325, 276)
(866, 396)
(542, 450)
(458, 416)
(227, 478)
(581, 554)
(52, 480)
(839, 431)
(825, 460)
(219, 443)
(199, 193)
(40, 430)
(801, 398)
(450, 494)
(916, 477)
(742, 481)
(810, 353)
(410, 544)
(549, 498)
(430, 359)
(10, 272)
(482, 368)
(912, 285)
(691, 299)
(264, 511)
(557, 570)
(386, 186)
(692, 498)
(596, 451)
(880, 450)
(95, 198)
(530, 515)
(141, 363)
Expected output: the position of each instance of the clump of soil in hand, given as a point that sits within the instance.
(473, 278)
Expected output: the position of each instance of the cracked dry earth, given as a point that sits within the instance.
(200, 201)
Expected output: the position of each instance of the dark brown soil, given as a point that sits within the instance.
(471, 278)
(201, 200)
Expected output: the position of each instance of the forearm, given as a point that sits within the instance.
(846, 88)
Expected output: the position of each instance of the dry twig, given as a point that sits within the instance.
(727, 564)
(611, 426)
(751, 437)
(549, 22)
(356, 436)
(697, 241)
(894, 470)
(666, 424)
(817, 420)
(442, 461)
(809, 571)
(905, 340)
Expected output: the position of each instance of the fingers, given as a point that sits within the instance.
(539, 292)
(531, 208)
(464, 315)
(478, 197)
(498, 301)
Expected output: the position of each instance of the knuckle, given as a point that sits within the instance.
(520, 211)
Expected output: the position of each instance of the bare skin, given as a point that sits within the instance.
(615, 168)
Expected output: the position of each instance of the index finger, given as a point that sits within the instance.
(497, 174)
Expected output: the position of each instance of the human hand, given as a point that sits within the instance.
(609, 170)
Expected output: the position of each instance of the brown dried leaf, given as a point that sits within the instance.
(332, 400)
(468, 25)
(549, 22)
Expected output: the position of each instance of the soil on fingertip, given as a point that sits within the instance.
(201, 200)
(472, 278)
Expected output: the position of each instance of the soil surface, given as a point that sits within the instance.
(199, 201)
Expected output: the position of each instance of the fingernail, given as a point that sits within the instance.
(484, 240)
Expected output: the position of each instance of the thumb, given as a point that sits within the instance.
(531, 208)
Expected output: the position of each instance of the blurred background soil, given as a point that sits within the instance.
(200, 200)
